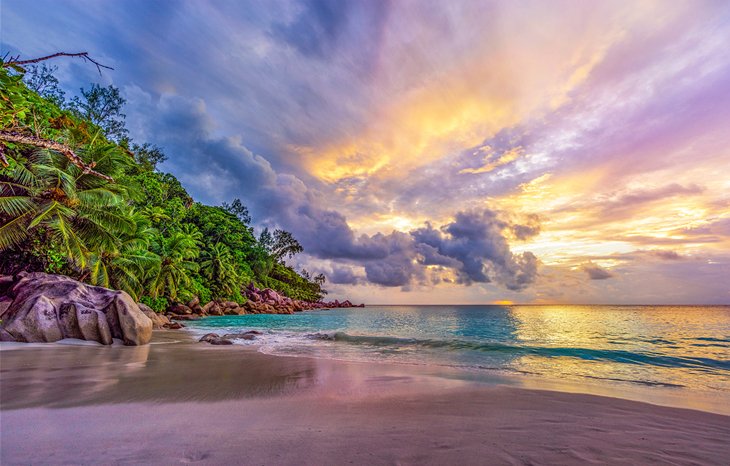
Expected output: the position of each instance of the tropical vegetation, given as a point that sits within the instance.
(78, 197)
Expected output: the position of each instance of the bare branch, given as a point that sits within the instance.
(3, 159)
(83, 55)
(54, 146)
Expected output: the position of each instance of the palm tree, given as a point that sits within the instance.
(193, 232)
(127, 267)
(176, 254)
(218, 268)
(156, 214)
(78, 211)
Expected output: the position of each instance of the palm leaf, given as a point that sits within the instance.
(113, 220)
(47, 212)
(74, 247)
(16, 205)
(97, 197)
(14, 231)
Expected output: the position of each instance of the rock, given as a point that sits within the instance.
(229, 304)
(4, 304)
(173, 326)
(215, 339)
(193, 302)
(5, 336)
(180, 309)
(158, 320)
(213, 308)
(6, 283)
(240, 336)
(208, 337)
(221, 341)
(47, 308)
(185, 317)
(250, 335)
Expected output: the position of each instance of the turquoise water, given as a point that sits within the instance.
(669, 346)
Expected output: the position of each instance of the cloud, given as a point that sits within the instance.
(475, 244)
(338, 118)
(529, 228)
(666, 254)
(596, 272)
(323, 26)
(343, 275)
(719, 227)
(219, 168)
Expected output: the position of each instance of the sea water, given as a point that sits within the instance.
(667, 346)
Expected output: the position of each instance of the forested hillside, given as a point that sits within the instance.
(78, 197)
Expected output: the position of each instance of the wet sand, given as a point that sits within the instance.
(178, 402)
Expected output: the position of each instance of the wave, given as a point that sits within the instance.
(620, 356)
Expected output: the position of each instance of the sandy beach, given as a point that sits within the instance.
(177, 401)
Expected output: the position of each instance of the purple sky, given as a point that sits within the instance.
(437, 152)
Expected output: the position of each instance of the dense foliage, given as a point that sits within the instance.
(141, 232)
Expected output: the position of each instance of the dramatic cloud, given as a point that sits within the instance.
(343, 276)
(468, 151)
(475, 245)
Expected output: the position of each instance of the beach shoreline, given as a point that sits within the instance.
(177, 400)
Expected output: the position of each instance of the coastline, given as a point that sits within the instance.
(176, 400)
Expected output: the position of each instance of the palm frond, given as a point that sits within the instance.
(14, 231)
(49, 209)
(96, 236)
(73, 245)
(114, 220)
(98, 272)
(98, 197)
(22, 175)
(16, 205)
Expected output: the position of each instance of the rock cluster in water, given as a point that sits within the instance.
(215, 339)
(266, 301)
(40, 307)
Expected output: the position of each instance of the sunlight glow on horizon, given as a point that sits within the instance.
(391, 138)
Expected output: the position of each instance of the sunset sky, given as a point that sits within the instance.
(436, 152)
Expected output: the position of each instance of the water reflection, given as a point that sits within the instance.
(678, 346)
(73, 375)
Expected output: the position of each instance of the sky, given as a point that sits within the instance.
(433, 152)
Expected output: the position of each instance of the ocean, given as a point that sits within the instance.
(662, 346)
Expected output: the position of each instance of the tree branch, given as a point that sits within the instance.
(54, 146)
(3, 159)
(83, 55)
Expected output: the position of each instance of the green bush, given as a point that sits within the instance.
(158, 304)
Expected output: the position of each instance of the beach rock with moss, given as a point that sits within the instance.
(40, 307)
